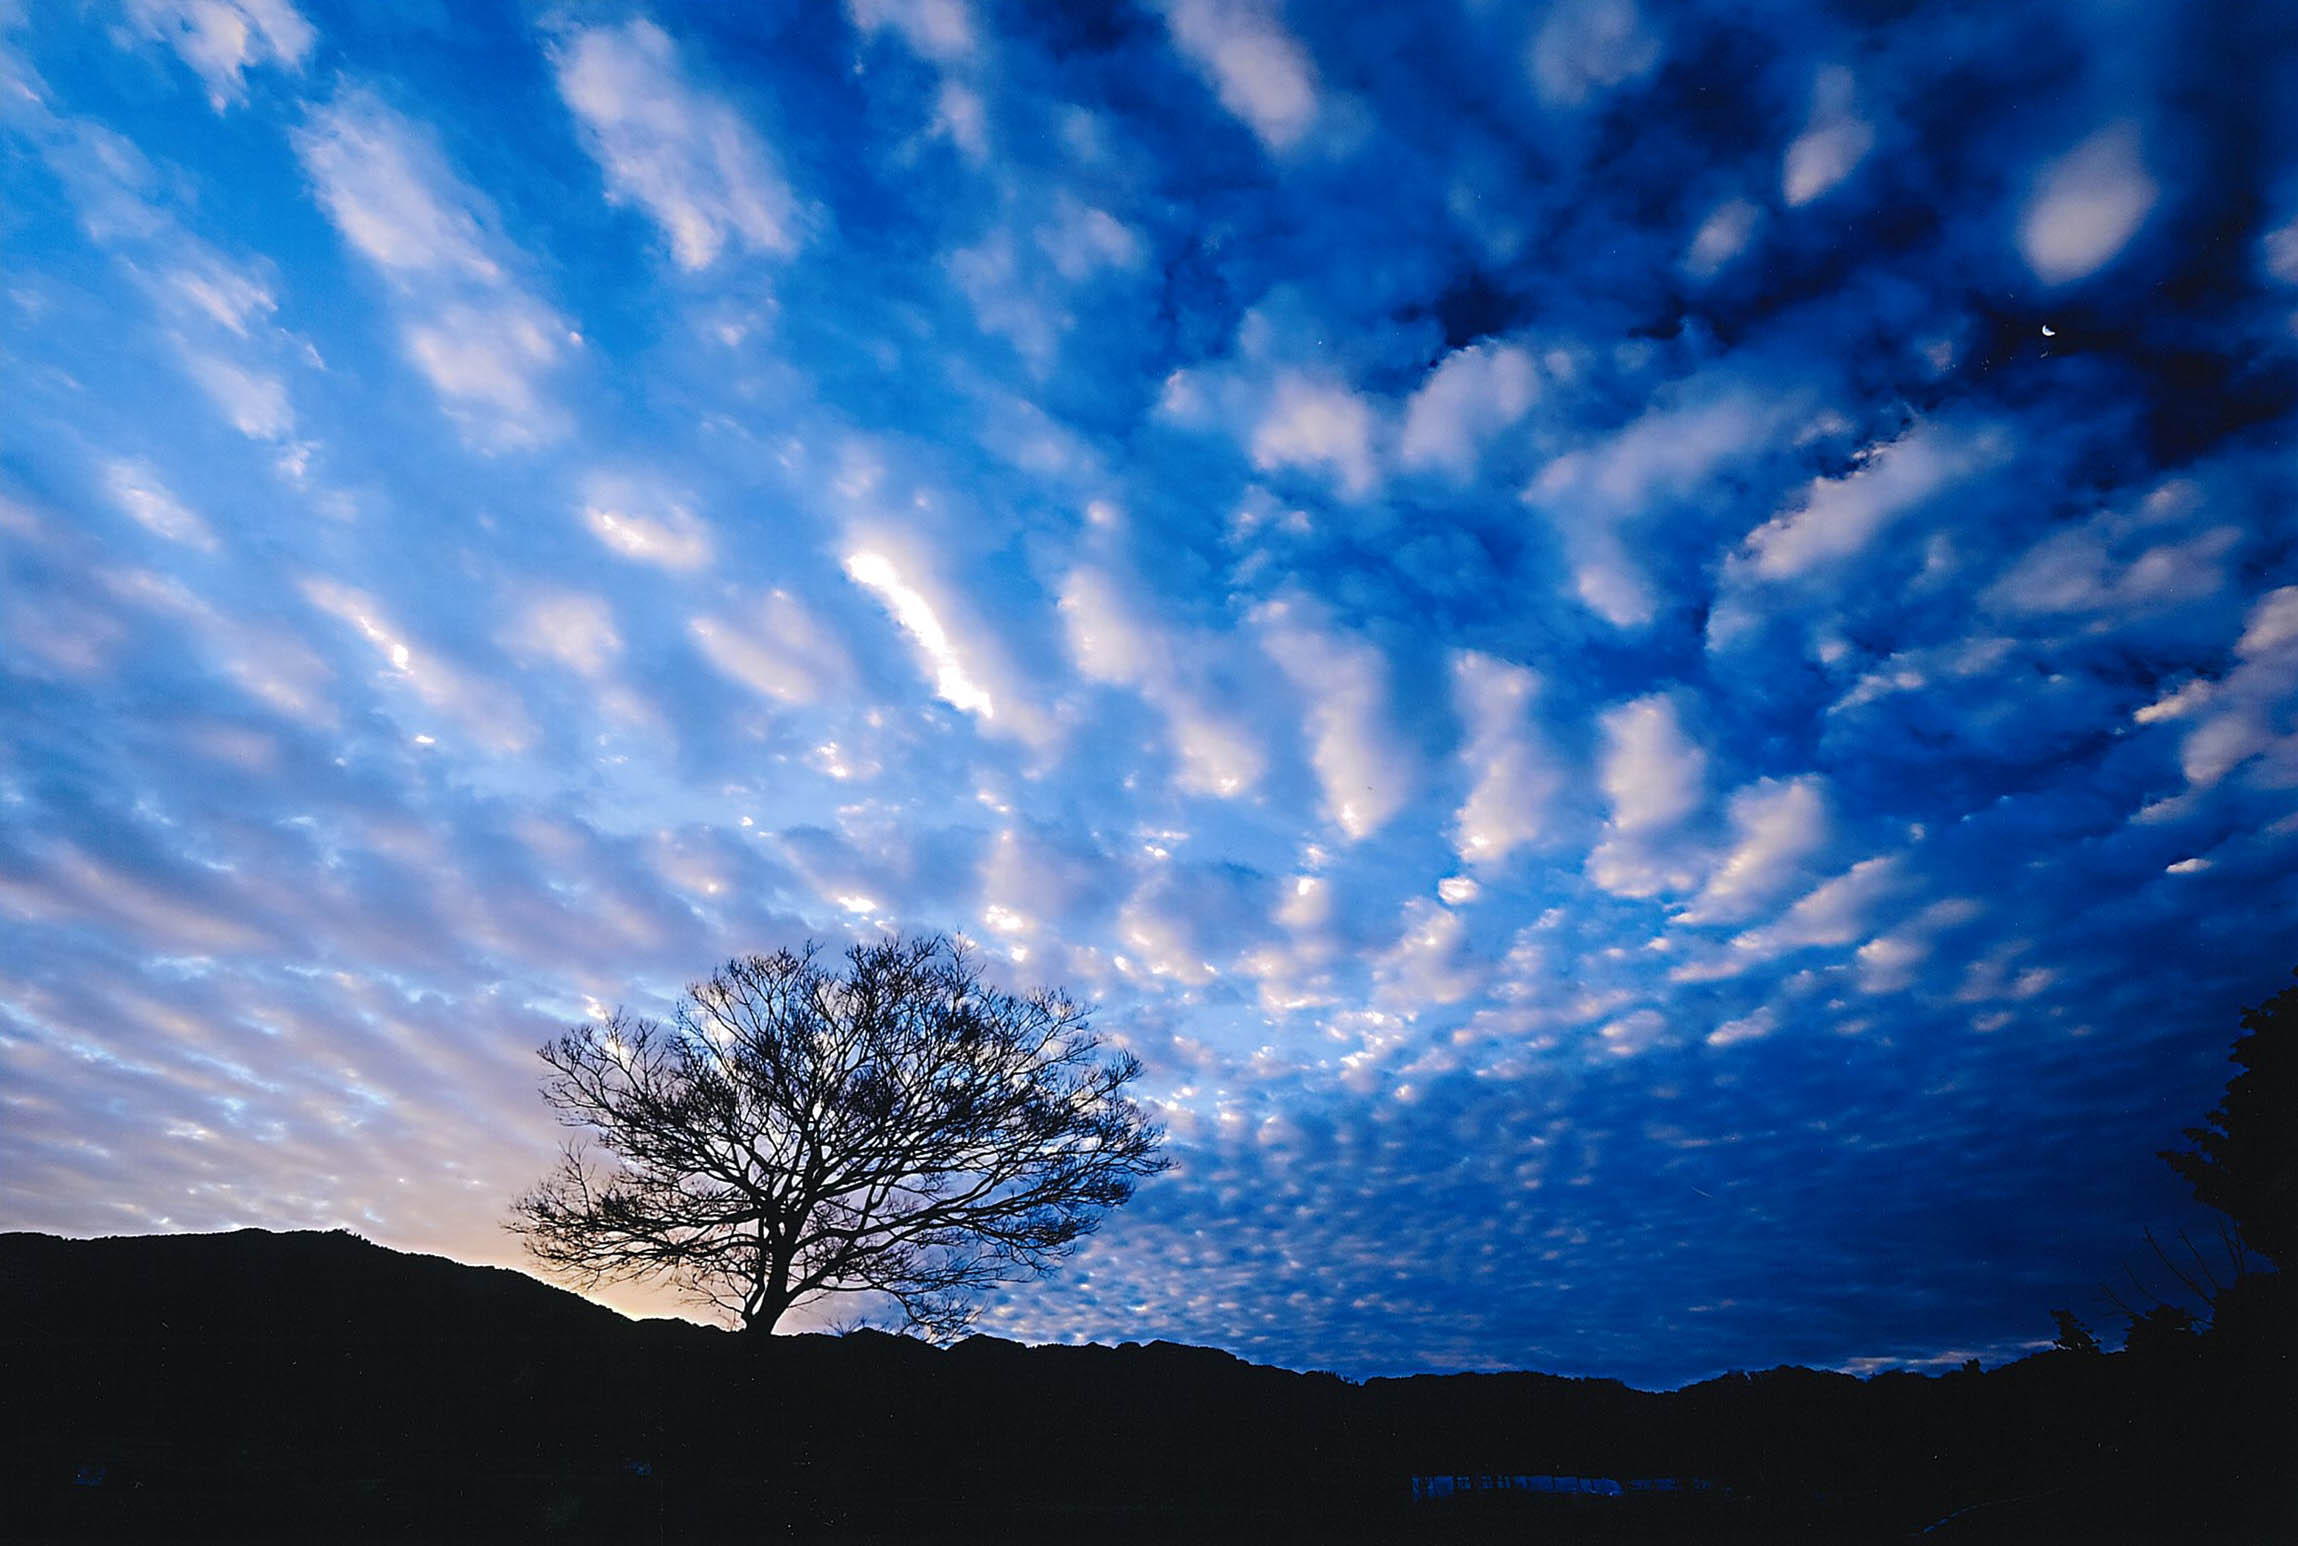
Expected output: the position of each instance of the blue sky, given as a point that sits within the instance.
(1650, 656)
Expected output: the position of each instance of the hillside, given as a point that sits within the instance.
(258, 1385)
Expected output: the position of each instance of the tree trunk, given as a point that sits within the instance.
(773, 1302)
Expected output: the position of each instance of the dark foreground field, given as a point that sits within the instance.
(260, 1386)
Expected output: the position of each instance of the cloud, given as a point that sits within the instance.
(136, 489)
(1363, 767)
(1596, 494)
(489, 714)
(2087, 206)
(1472, 395)
(1722, 236)
(1586, 48)
(2112, 566)
(643, 519)
(272, 666)
(573, 629)
(1833, 142)
(1111, 639)
(1512, 779)
(957, 653)
(991, 276)
(483, 342)
(2238, 718)
(222, 39)
(1652, 772)
(778, 650)
(1313, 423)
(1837, 517)
(1776, 825)
(940, 30)
(1749, 1027)
(684, 156)
(1654, 776)
(1835, 913)
(252, 402)
(1258, 69)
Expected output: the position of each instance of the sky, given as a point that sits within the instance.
(1648, 655)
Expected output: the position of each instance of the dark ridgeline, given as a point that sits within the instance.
(314, 1386)
(258, 1386)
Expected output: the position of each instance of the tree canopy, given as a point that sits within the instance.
(887, 1125)
(2244, 1161)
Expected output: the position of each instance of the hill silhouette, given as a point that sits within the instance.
(272, 1386)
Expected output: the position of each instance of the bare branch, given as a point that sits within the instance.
(887, 1125)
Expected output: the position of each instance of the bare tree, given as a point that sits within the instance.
(798, 1130)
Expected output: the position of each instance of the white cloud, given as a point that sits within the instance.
(270, 665)
(1723, 236)
(960, 114)
(1833, 143)
(991, 277)
(1363, 766)
(2080, 571)
(1257, 68)
(1585, 48)
(939, 30)
(1082, 240)
(645, 520)
(1472, 395)
(484, 343)
(203, 283)
(1776, 825)
(1654, 776)
(2241, 716)
(1889, 962)
(1594, 493)
(251, 401)
(953, 682)
(959, 656)
(391, 193)
(222, 39)
(1835, 913)
(781, 651)
(1112, 640)
(569, 627)
(1635, 1033)
(1512, 779)
(681, 154)
(493, 357)
(1750, 1027)
(1428, 963)
(490, 714)
(2278, 253)
(2271, 626)
(1839, 516)
(136, 488)
(2087, 206)
(1311, 423)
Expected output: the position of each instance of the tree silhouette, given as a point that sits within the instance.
(895, 1127)
(2244, 1161)
(2074, 1336)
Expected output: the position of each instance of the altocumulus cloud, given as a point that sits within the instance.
(1649, 660)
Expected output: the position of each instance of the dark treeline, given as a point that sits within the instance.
(307, 1386)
